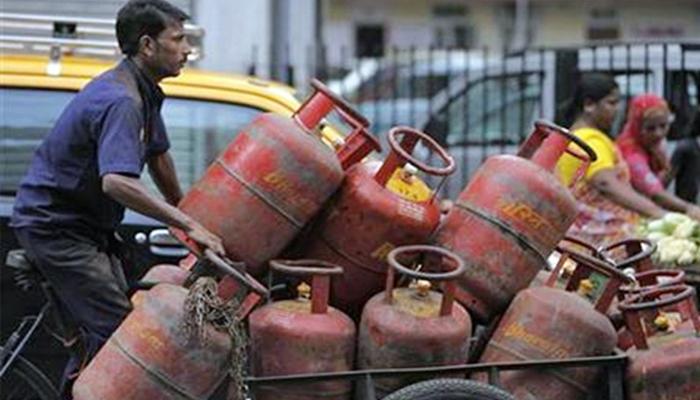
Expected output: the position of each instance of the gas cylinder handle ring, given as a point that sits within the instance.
(229, 267)
(643, 255)
(320, 272)
(549, 127)
(580, 242)
(675, 277)
(431, 144)
(433, 276)
(649, 299)
(347, 109)
(602, 266)
(306, 267)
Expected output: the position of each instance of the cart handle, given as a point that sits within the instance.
(231, 268)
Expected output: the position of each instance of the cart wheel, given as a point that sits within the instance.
(450, 389)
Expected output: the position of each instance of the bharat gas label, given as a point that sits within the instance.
(517, 331)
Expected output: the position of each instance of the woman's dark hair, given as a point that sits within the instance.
(144, 17)
(694, 127)
(591, 86)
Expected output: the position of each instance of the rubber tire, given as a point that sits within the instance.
(25, 376)
(450, 389)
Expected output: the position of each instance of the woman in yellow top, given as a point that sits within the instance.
(609, 208)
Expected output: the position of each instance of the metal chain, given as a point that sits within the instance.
(204, 306)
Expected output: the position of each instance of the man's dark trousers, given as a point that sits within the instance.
(85, 271)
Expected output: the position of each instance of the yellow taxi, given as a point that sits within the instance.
(203, 111)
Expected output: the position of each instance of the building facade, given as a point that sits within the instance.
(291, 40)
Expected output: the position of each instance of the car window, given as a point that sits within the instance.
(493, 110)
(25, 117)
(400, 81)
(198, 131)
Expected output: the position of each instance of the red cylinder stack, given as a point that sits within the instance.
(272, 178)
(548, 323)
(367, 219)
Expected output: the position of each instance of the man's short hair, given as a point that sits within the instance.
(144, 17)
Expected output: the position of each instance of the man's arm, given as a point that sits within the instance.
(131, 193)
(162, 170)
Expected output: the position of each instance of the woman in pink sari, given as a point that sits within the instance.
(642, 144)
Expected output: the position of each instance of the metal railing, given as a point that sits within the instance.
(479, 102)
(613, 367)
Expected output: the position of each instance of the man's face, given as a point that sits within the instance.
(169, 51)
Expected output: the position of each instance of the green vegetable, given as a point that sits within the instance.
(677, 238)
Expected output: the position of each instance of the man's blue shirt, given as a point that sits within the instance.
(113, 125)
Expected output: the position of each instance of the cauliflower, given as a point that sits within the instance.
(677, 237)
(685, 258)
(656, 226)
(656, 236)
(673, 250)
(675, 218)
(685, 229)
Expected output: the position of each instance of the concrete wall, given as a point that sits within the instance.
(237, 33)
(670, 19)
(554, 22)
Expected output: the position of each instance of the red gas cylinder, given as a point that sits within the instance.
(377, 209)
(303, 336)
(664, 362)
(645, 281)
(633, 256)
(550, 323)
(509, 218)
(150, 357)
(414, 326)
(272, 178)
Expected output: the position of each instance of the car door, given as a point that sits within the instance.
(198, 129)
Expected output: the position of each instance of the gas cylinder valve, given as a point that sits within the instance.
(422, 287)
(304, 291)
(585, 287)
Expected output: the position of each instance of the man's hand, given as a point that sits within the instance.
(202, 236)
(131, 192)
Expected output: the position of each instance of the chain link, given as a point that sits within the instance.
(204, 306)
